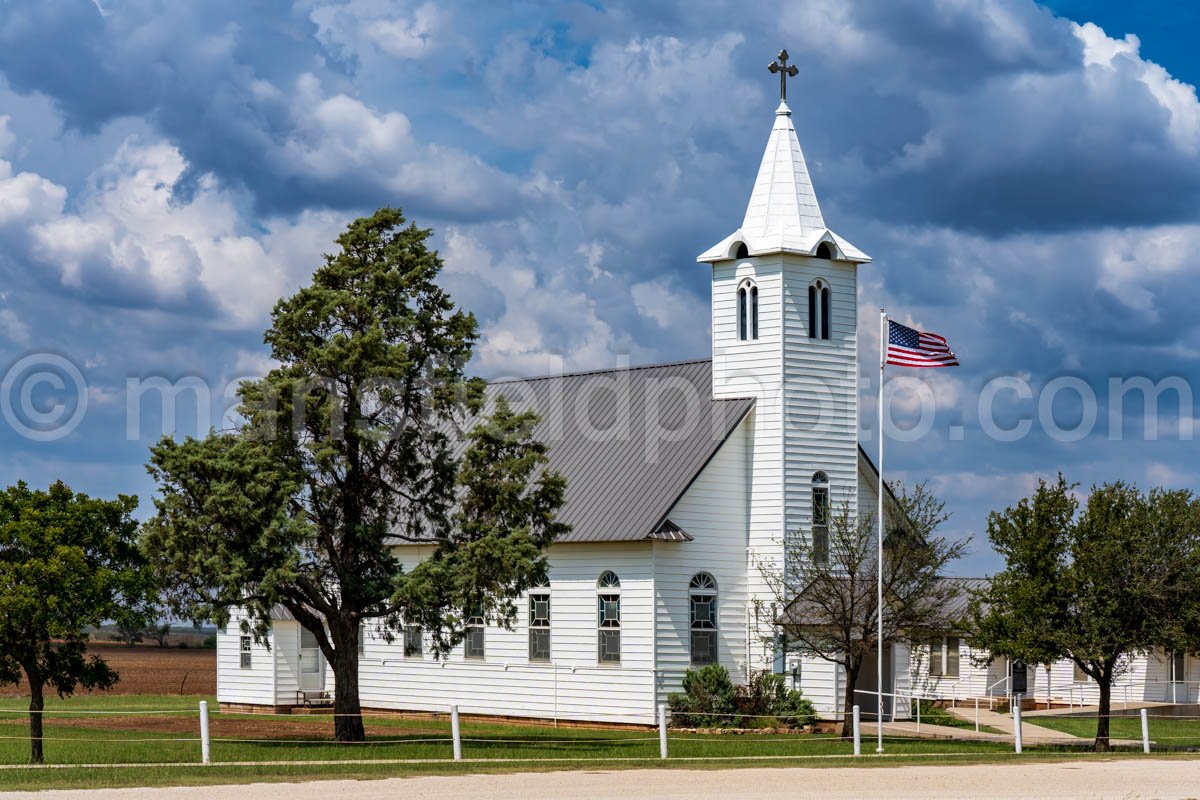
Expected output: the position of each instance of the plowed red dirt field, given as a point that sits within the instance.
(149, 669)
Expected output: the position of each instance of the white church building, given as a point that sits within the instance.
(681, 480)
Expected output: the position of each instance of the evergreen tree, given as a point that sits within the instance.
(351, 446)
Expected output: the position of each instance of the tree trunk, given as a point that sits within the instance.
(347, 720)
(1105, 683)
(849, 699)
(37, 704)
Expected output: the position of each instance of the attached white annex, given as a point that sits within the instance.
(682, 479)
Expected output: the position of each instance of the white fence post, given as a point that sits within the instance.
(205, 742)
(857, 731)
(977, 715)
(1017, 721)
(456, 733)
(1145, 732)
(662, 731)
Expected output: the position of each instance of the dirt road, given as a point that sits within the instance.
(1077, 779)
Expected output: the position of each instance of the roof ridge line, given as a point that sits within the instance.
(600, 371)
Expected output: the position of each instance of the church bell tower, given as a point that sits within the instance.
(784, 331)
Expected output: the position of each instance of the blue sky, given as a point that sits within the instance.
(1025, 177)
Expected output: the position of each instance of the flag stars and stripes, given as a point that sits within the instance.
(908, 347)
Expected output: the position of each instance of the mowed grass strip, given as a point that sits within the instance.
(1165, 732)
(84, 734)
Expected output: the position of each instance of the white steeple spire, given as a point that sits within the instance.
(783, 215)
(783, 201)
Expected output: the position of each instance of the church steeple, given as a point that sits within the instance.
(783, 215)
(783, 203)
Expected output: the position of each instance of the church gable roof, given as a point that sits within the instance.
(629, 442)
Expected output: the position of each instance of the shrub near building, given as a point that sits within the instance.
(711, 700)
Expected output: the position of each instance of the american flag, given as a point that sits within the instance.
(908, 347)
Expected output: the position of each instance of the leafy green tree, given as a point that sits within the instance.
(159, 633)
(829, 590)
(353, 445)
(1098, 587)
(67, 562)
(129, 633)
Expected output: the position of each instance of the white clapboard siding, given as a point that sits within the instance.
(252, 686)
(505, 682)
(822, 682)
(820, 378)
(972, 680)
(753, 369)
(1131, 685)
(713, 511)
(287, 660)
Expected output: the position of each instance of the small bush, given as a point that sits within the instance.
(183, 645)
(711, 700)
(766, 699)
(707, 700)
(209, 643)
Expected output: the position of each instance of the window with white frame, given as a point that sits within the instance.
(943, 657)
(247, 657)
(539, 624)
(1079, 676)
(608, 633)
(747, 310)
(819, 310)
(412, 641)
(820, 518)
(473, 644)
(702, 615)
(362, 639)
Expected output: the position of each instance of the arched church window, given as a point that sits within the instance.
(820, 518)
(742, 251)
(702, 614)
(747, 311)
(823, 251)
(819, 310)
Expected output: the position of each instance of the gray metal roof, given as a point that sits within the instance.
(629, 442)
(967, 587)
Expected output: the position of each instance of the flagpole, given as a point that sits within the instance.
(879, 541)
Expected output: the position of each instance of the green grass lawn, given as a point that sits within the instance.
(80, 735)
(1164, 732)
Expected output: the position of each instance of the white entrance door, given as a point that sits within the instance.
(312, 662)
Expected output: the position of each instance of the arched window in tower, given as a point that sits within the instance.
(825, 312)
(742, 251)
(747, 311)
(823, 251)
(741, 312)
(753, 312)
(818, 309)
(702, 614)
(820, 518)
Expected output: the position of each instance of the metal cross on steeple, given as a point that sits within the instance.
(784, 69)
